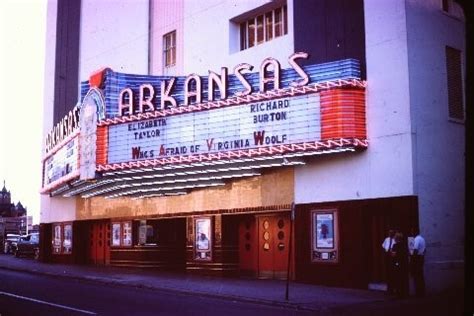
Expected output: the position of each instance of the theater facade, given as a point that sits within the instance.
(285, 157)
(195, 172)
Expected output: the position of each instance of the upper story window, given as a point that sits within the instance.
(169, 49)
(455, 83)
(453, 9)
(264, 27)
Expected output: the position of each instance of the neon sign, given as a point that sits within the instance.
(269, 79)
(66, 127)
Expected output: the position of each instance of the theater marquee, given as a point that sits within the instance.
(249, 126)
(148, 122)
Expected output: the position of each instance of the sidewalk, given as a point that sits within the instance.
(319, 299)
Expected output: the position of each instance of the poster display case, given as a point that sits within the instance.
(203, 239)
(325, 236)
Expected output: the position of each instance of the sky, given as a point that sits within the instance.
(22, 55)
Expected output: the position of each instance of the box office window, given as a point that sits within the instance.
(122, 234)
(325, 236)
(147, 233)
(263, 27)
(62, 238)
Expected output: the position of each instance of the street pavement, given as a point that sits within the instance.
(319, 300)
(23, 293)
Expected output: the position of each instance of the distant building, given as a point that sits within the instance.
(7, 208)
(34, 229)
(29, 223)
(13, 217)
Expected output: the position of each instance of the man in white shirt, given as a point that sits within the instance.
(389, 241)
(387, 246)
(418, 261)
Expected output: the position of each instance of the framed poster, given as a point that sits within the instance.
(127, 234)
(57, 239)
(324, 235)
(116, 234)
(325, 231)
(203, 239)
(67, 241)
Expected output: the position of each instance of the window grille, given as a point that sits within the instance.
(263, 27)
(455, 83)
(169, 49)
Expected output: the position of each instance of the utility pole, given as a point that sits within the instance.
(290, 247)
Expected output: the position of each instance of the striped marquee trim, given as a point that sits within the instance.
(287, 92)
(264, 151)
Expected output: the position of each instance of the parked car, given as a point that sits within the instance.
(10, 243)
(28, 246)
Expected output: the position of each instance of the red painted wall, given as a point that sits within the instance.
(360, 245)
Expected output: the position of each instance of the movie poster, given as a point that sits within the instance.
(203, 239)
(324, 236)
(324, 231)
(116, 234)
(67, 242)
(127, 234)
(57, 239)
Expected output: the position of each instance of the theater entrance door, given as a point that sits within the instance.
(273, 233)
(99, 243)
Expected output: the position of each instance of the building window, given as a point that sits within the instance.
(455, 83)
(445, 5)
(62, 238)
(260, 37)
(169, 49)
(264, 27)
(269, 26)
(122, 234)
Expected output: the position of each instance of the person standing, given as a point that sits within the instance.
(387, 246)
(418, 261)
(400, 266)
